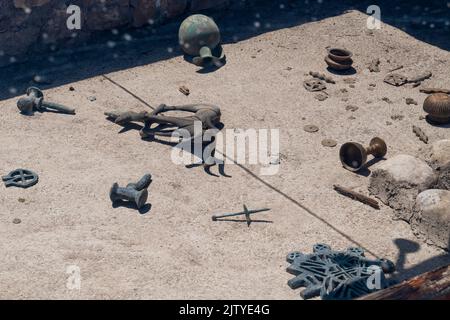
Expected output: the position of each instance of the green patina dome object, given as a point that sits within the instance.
(199, 35)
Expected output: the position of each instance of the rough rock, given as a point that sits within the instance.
(398, 180)
(443, 181)
(437, 154)
(431, 220)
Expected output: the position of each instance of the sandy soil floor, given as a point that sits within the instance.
(174, 250)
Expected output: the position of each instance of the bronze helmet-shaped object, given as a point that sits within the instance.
(437, 106)
(199, 36)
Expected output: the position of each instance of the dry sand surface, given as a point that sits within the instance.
(174, 250)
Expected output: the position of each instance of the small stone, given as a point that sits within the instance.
(343, 90)
(387, 100)
(350, 80)
(351, 108)
(253, 57)
(375, 65)
(397, 117)
(372, 84)
(410, 101)
(311, 128)
(351, 86)
(289, 68)
(92, 98)
(351, 118)
(321, 96)
(369, 101)
(71, 88)
(388, 123)
(16, 221)
(422, 117)
(22, 200)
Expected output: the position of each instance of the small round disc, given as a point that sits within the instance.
(311, 128)
(329, 143)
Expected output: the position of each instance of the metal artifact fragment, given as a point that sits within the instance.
(357, 196)
(329, 143)
(199, 36)
(435, 90)
(129, 194)
(314, 85)
(142, 184)
(418, 79)
(136, 193)
(339, 59)
(184, 90)
(374, 65)
(395, 79)
(336, 275)
(353, 155)
(206, 114)
(34, 101)
(410, 101)
(351, 108)
(419, 133)
(395, 69)
(245, 213)
(311, 128)
(22, 178)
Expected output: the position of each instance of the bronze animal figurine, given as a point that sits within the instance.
(208, 115)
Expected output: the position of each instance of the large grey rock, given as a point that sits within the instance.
(398, 180)
(438, 153)
(431, 220)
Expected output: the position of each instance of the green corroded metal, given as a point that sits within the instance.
(199, 35)
(34, 100)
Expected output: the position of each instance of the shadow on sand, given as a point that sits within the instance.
(107, 52)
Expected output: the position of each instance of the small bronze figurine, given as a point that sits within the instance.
(208, 115)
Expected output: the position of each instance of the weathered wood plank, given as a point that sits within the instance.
(433, 285)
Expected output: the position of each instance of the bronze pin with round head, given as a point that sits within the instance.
(354, 156)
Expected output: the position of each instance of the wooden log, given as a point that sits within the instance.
(432, 285)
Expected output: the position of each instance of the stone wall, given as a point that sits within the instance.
(28, 26)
